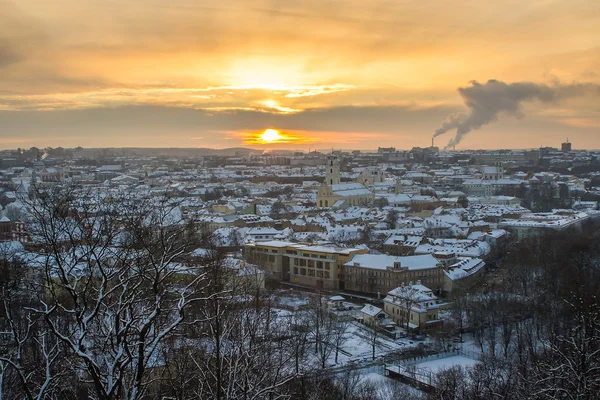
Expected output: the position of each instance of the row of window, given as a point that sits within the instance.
(385, 274)
(261, 250)
(311, 263)
(312, 273)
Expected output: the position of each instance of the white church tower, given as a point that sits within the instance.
(333, 170)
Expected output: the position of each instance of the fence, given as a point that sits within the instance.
(417, 360)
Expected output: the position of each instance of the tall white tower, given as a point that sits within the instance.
(333, 170)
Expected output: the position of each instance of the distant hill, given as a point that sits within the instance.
(172, 151)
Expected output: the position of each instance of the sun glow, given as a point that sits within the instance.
(270, 136)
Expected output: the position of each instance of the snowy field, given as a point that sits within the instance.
(358, 345)
(435, 366)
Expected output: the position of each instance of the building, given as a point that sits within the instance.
(413, 307)
(494, 172)
(380, 273)
(19, 233)
(370, 176)
(319, 267)
(566, 146)
(333, 193)
(5, 228)
(260, 234)
(271, 257)
(402, 245)
(463, 273)
(535, 224)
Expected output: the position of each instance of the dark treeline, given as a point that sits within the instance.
(540, 329)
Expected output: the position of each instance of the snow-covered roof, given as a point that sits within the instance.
(370, 310)
(384, 261)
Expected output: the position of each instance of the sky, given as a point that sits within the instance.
(323, 73)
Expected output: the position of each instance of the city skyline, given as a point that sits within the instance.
(322, 73)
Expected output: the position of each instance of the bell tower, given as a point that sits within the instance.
(332, 173)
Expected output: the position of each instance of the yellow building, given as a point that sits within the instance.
(334, 193)
(271, 257)
(319, 267)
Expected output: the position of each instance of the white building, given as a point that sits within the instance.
(413, 306)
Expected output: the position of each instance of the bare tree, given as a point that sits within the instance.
(339, 335)
(111, 274)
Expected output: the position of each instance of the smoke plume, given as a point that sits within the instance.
(7, 54)
(488, 100)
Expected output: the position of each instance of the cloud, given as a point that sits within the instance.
(115, 125)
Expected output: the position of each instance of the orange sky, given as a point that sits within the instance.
(330, 73)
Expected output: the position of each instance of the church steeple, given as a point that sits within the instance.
(332, 173)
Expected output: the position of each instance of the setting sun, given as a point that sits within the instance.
(270, 136)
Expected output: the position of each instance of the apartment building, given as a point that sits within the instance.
(380, 273)
(319, 267)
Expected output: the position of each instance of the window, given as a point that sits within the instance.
(326, 274)
(320, 264)
(311, 272)
(295, 270)
(319, 274)
(311, 264)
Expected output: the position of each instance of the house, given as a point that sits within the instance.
(401, 245)
(335, 303)
(244, 276)
(413, 307)
(371, 315)
(259, 234)
(126, 180)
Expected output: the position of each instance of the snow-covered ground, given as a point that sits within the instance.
(358, 345)
(357, 348)
(374, 377)
(435, 366)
